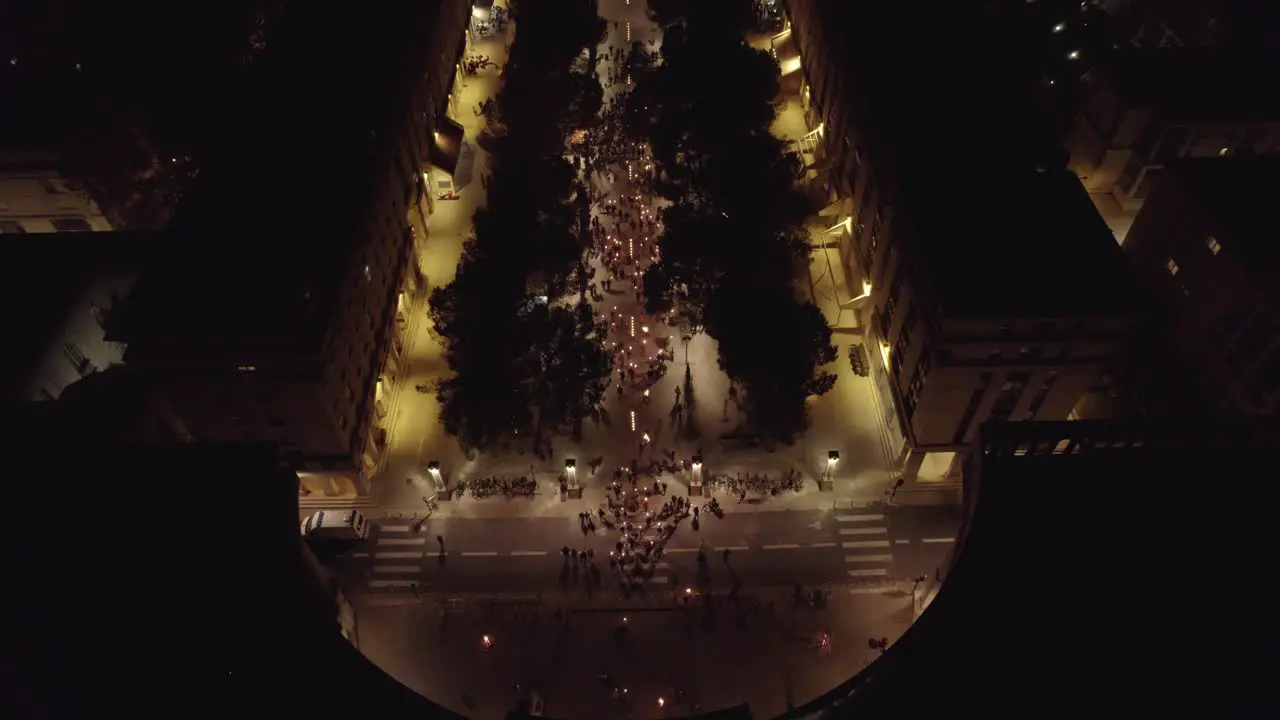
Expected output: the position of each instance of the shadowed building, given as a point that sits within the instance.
(992, 289)
(1205, 243)
(1089, 576)
(276, 311)
(1142, 109)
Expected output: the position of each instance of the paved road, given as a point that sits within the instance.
(766, 549)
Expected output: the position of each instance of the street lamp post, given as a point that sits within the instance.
(572, 488)
(437, 480)
(828, 475)
(695, 479)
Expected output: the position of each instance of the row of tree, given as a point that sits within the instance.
(734, 242)
(527, 355)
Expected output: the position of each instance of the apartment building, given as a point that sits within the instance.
(57, 312)
(36, 198)
(1143, 108)
(1196, 23)
(277, 310)
(993, 289)
(1205, 245)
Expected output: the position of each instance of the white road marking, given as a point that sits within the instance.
(680, 550)
(731, 547)
(782, 546)
(479, 554)
(869, 572)
(395, 528)
(528, 553)
(902, 541)
(939, 540)
(859, 518)
(658, 580)
(864, 531)
(392, 583)
(359, 554)
(397, 555)
(402, 541)
(865, 544)
(396, 568)
(871, 590)
(827, 544)
(867, 558)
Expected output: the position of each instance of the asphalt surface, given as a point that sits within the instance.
(766, 549)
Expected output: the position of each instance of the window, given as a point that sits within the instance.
(1037, 400)
(911, 397)
(11, 227)
(1214, 246)
(99, 315)
(78, 361)
(72, 225)
(1171, 266)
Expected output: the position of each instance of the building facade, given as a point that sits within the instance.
(292, 331)
(35, 198)
(59, 312)
(1144, 108)
(970, 241)
(1204, 244)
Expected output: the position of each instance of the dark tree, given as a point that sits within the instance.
(733, 239)
(568, 366)
(524, 362)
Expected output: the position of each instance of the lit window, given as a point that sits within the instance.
(1214, 246)
(1172, 267)
(1073, 55)
(1059, 27)
(1223, 151)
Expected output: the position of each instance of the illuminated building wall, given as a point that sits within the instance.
(996, 291)
(275, 315)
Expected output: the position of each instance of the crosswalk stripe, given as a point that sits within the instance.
(866, 544)
(783, 546)
(392, 583)
(868, 572)
(864, 531)
(402, 541)
(395, 528)
(396, 568)
(388, 555)
(680, 550)
(528, 553)
(857, 590)
(658, 580)
(939, 540)
(480, 554)
(858, 518)
(867, 558)
(731, 547)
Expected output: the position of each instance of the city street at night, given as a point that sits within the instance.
(855, 548)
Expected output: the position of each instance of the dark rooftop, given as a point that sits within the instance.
(1196, 85)
(264, 237)
(1238, 196)
(1089, 585)
(1005, 229)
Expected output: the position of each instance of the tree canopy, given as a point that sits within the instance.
(526, 358)
(733, 241)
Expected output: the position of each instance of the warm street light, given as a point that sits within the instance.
(571, 476)
(433, 469)
(833, 457)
